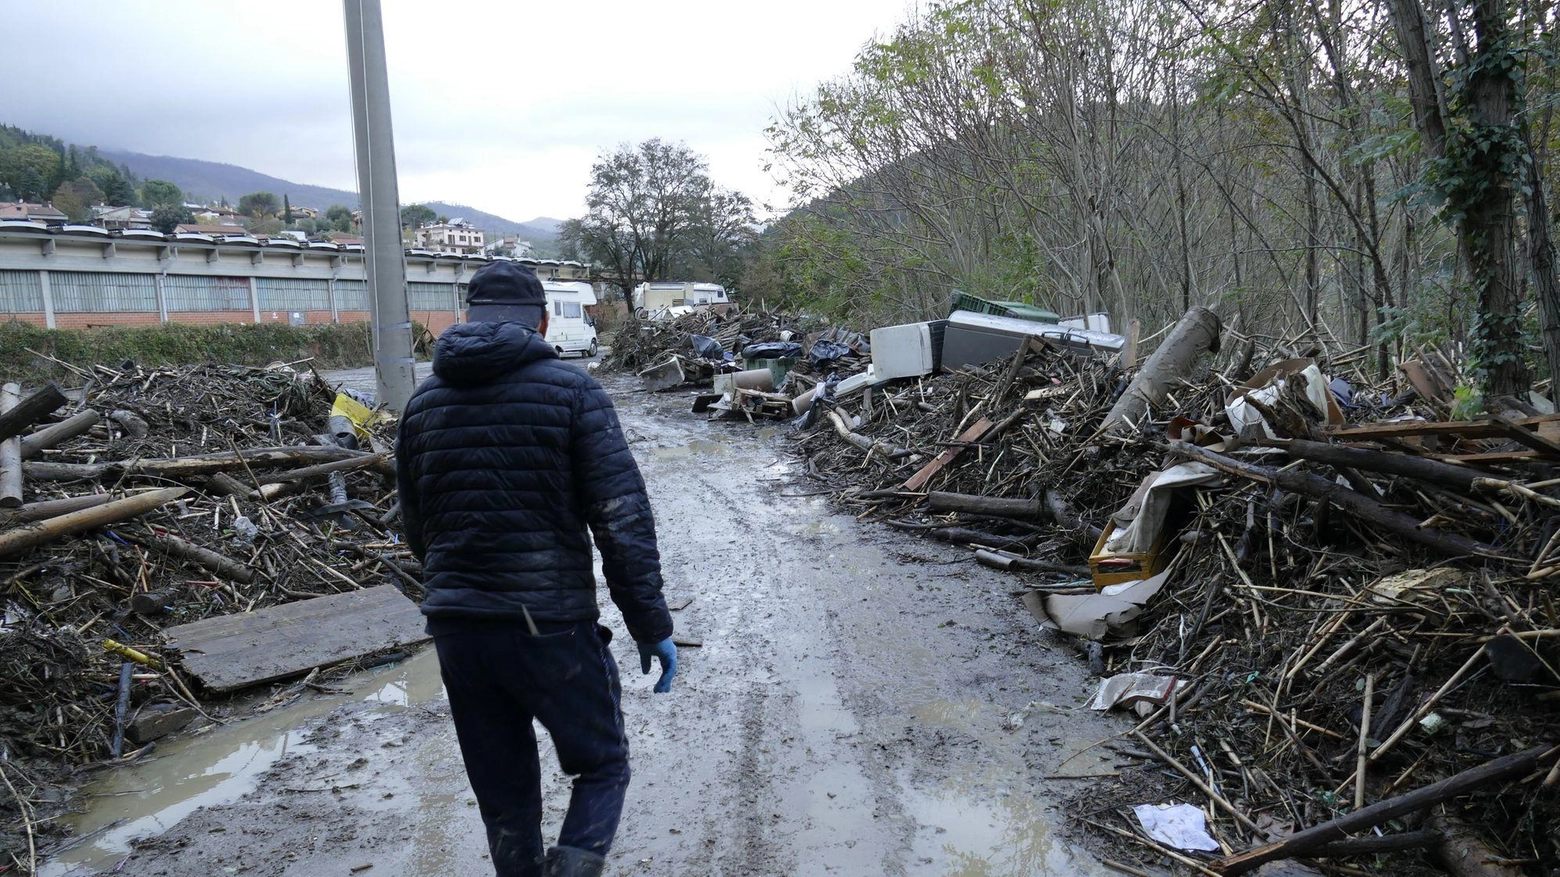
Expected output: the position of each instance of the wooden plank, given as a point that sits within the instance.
(1529, 437)
(1464, 428)
(975, 433)
(234, 651)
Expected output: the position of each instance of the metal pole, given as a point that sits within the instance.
(383, 254)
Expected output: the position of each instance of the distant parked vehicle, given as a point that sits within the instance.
(569, 328)
(665, 299)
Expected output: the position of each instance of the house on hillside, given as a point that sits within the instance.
(305, 213)
(114, 218)
(215, 215)
(341, 237)
(455, 236)
(34, 212)
(508, 245)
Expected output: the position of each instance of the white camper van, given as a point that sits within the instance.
(659, 299)
(569, 328)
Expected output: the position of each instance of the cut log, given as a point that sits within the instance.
(227, 461)
(216, 562)
(1196, 334)
(199, 465)
(37, 470)
(132, 423)
(1362, 507)
(30, 410)
(1004, 561)
(1304, 843)
(10, 453)
(152, 602)
(35, 443)
(224, 484)
(348, 465)
(19, 539)
(52, 508)
(1000, 507)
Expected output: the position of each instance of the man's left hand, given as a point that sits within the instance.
(666, 652)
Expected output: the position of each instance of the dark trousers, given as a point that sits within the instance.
(499, 677)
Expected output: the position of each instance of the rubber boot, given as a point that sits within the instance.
(573, 862)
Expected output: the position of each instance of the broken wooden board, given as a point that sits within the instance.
(235, 651)
(1462, 428)
(974, 434)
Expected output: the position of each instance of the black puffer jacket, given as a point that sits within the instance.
(505, 457)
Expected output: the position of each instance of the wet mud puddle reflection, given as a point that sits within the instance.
(218, 766)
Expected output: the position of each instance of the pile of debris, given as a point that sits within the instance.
(758, 362)
(1331, 607)
(140, 512)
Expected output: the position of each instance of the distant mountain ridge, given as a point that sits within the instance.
(212, 181)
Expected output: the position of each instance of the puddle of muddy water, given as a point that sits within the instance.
(218, 766)
(985, 835)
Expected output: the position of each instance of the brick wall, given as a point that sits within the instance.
(35, 319)
(88, 321)
(211, 317)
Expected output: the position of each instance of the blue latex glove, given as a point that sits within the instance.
(666, 651)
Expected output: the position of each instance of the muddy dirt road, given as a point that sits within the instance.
(863, 704)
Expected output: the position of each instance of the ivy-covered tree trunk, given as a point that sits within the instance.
(1473, 139)
(1485, 158)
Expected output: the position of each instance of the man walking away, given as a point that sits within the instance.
(506, 457)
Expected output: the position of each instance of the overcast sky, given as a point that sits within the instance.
(498, 105)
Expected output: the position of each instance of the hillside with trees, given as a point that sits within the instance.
(1364, 174)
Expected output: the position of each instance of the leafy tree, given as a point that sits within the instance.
(416, 215)
(117, 190)
(33, 168)
(287, 214)
(158, 193)
(652, 210)
(269, 226)
(166, 216)
(76, 198)
(258, 204)
(340, 217)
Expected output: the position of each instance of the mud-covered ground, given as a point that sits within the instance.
(863, 703)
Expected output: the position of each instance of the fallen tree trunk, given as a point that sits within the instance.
(1004, 561)
(34, 444)
(213, 561)
(1304, 843)
(19, 539)
(1362, 507)
(348, 465)
(1197, 333)
(1001, 507)
(52, 508)
(30, 410)
(964, 535)
(10, 453)
(199, 464)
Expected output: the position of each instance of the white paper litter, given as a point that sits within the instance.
(1178, 825)
(1126, 689)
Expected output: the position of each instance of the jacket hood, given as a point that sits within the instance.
(479, 353)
